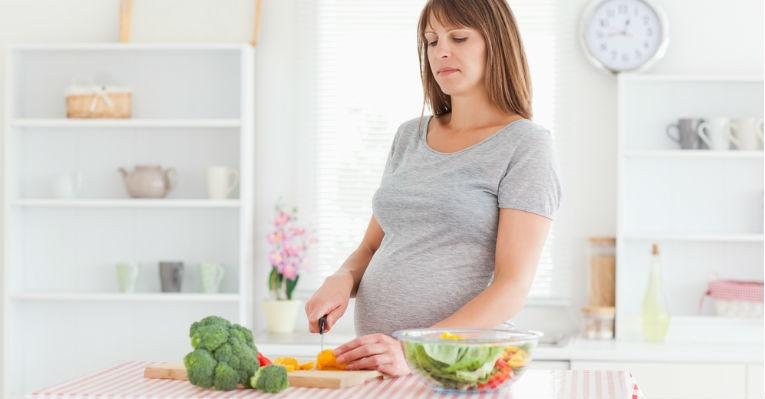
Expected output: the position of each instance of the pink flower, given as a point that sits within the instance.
(290, 250)
(275, 258)
(290, 271)
(275, 237)
(282, 218)
(297, 231)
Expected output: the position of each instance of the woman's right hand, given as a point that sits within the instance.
(330, 299)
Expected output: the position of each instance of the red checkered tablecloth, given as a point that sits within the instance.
(126, 381)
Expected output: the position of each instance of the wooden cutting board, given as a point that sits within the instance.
(297, 378)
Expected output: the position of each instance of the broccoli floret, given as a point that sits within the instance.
(226, 377)
(245, 361)
(210, 320)
(209, 337)
(200, 367)
(224, 354)
(271, 379)
(243, 333)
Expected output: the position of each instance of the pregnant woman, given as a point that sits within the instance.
(466, 199)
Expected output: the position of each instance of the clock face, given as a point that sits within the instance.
(623, 34)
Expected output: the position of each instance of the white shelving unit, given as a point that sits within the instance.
(192, 108)
(704, 208)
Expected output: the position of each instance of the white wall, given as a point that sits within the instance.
(707, 36)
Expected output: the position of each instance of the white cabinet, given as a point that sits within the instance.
(754, 382)
(704, 208)
(192, 109)
(550, 365)
(681, 380)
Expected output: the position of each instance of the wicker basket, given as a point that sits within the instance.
(98, 102)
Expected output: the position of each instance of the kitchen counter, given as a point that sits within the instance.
(127, 381)
(307, 345)
(582, 349)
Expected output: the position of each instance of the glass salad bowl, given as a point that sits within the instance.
(468, 360)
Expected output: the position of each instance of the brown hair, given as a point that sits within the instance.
(507, 73)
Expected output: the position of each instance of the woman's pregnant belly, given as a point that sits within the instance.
(399, 292)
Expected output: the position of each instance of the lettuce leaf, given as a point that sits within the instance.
(454, 362)
(448, 354)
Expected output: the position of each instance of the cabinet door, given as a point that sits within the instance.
(754, 381)
(550, 365)
(680, 380)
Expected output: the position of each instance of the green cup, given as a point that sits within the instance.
(127, 273)
(211, 274)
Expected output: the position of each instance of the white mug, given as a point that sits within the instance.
(67, 185)
(221, 181)
(747, 133)
(716, 133)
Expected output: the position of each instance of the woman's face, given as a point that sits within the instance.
(463, 50)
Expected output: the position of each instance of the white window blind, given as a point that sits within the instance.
(360, 82)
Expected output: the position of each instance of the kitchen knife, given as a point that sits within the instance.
(322, 324)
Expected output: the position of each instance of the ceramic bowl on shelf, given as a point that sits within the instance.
(468, 360)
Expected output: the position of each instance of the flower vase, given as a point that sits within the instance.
(281, 314)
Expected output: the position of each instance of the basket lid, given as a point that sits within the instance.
(602, 240)
(599, 311)
(92, 89)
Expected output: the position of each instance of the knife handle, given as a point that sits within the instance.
(322, 323)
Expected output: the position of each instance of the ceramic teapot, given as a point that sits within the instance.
(148, 181)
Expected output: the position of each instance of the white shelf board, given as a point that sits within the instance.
(689, 78)
(694, 154)
(127, 203)
(126, 46)
(126, 122)
(548, 302)
(119, 297)
(688, 329)
(754, 238)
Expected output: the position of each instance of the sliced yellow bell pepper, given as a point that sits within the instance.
(307, 366)
(519, 359)
(448, 335)
(290, 363)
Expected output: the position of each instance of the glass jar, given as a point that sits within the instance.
(602, 273)
(598, 322)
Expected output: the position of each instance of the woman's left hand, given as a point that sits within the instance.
(374, 352)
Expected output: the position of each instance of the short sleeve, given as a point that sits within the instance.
(531, 182)
(390, 163)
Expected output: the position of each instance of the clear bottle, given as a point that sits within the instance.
(654, 314)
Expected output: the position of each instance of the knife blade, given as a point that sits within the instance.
(322, 324)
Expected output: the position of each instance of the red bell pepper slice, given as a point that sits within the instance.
(263, 360)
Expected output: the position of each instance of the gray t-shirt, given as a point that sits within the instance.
(439, 212)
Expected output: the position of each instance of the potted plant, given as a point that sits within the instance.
(289, 244)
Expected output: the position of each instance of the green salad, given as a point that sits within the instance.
(466, 367)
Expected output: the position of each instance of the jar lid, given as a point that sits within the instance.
(599, 311)
(603, 240)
